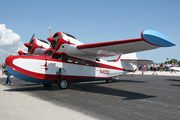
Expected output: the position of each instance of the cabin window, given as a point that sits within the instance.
(57, 56)
(48, 53)
(89, 63)
(79, 61)
(67, 58)
(70, 59)
(97, 65)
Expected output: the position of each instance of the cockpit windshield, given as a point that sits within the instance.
(48, 53)
(57, 56)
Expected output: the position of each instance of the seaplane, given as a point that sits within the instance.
(65, 59)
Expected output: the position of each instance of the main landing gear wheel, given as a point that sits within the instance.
(108, 80)
(63, 84)
(47, 84)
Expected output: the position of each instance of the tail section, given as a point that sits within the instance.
(127, 56)
(130, 62)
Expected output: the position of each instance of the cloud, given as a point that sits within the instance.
(10, 43)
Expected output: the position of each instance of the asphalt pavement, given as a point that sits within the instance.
(20, 105)
(150, 97)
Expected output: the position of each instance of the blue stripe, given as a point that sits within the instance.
(26, 77)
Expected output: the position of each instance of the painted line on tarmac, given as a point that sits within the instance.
(74, 88)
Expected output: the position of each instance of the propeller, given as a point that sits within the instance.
(32, 38)
(30, 44)
(54, 39)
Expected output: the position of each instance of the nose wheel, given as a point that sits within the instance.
(63, 84)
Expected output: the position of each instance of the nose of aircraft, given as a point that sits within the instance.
(8, 60)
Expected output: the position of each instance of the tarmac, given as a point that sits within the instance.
(21, 106)
(163, 73)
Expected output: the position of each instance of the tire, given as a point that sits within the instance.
(47, 84)
(63, 84)
(108, 80)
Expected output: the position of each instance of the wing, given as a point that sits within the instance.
(150, 39)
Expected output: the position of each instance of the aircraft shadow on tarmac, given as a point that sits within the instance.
(30, 87)
(133, 81)
(175, 85)
(93, 87)
(173, 80)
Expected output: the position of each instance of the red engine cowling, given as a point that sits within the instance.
(37, 47)
(62, 38)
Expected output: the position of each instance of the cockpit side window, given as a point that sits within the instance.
(89, 63)
(67, 58)
(78, 61)
(48, 53)
(57, 56)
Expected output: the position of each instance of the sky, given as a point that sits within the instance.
(90, 21)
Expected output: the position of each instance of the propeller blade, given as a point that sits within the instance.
(50, 31)
(32, 38)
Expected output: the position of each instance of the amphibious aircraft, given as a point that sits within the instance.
(68, 60)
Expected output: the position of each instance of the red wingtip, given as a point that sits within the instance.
(51, 40)
(27, 45)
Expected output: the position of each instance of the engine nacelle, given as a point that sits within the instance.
(70, 49)
(37, 47)
(62, 38)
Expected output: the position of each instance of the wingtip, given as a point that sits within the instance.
(156, 38)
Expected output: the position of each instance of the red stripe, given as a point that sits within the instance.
(114, 68)
(102, 44)
(104, 66)
(56, 78)
(118, 58)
